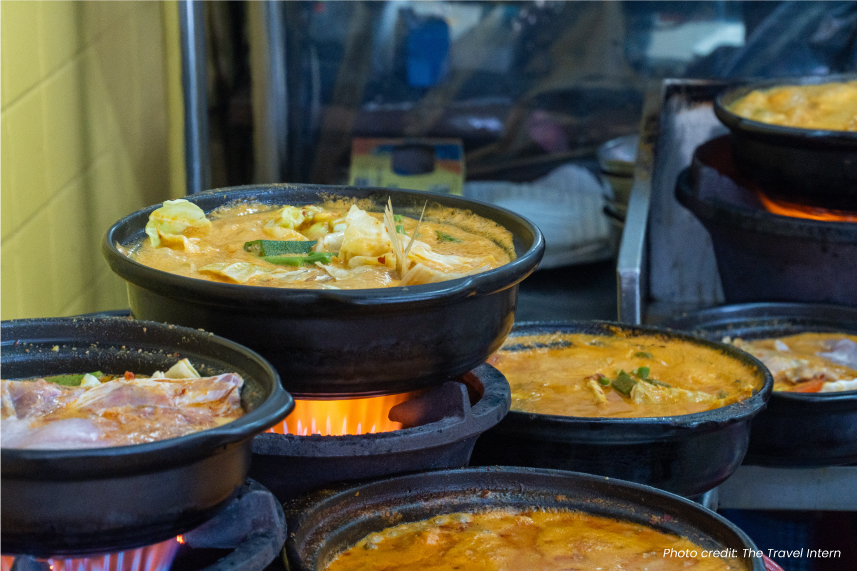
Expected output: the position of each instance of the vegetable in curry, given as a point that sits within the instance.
(336, 245)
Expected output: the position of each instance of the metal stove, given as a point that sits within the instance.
(246, 536)
(667, 266)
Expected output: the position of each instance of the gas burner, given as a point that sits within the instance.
(246, 536)
(763, 254)
(356, 439)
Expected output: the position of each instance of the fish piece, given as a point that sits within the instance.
(25, 399)
(116, 412)
(64, 434)
(842, 352)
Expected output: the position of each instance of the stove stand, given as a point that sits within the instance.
(246, 536)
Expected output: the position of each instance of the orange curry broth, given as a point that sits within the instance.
(556, 379)
(545, 540)
(233, 225)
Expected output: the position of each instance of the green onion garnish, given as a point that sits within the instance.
(443, 237)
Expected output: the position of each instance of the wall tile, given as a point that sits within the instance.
(100, 117)
(116, 58)
(10, 299)
(19, 48)
(83, 303)
(35, 267)
(86, 139)
(26, 155)
(75, 239)
(111, 292)
(61, 34)
(106, 191)
(66, 134)
(8, 222)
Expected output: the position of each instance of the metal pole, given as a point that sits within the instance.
(197, 158)
(270, 95)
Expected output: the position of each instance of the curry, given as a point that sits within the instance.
(829, 106)
(583, 375)
(808, 362)
(552, 540)
(95, 410)
(335, 245)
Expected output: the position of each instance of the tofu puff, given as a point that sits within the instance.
(339, 245)
(584, 375)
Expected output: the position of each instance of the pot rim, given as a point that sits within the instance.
(217, 293)
(786, 310)
(300, 511)
(88, 462)
(795, 136)
(715, 418)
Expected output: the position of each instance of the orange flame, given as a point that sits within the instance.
(340, 417)
(156, 557)
(809, 212)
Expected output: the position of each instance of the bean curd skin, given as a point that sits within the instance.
(543, 540)
(830, 106)
(554, 374)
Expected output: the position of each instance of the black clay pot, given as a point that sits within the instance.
(324, 524)
(342, 342)
(797, 429)
(686, 455)
(763, 256)
(810, 166)
(73, 502)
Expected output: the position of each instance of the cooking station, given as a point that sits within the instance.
(667, 267)
(371, 416)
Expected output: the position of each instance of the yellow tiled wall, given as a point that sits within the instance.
(91, 121)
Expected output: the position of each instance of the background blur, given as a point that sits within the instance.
(92, 103)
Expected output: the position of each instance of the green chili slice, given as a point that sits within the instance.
(267, 248)
(623, 383)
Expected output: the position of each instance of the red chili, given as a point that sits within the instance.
(129, 376)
